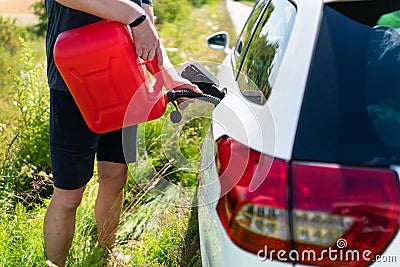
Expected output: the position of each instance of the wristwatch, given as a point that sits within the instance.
(139, 20)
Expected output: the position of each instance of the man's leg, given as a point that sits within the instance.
(72, 152)
(59, 223)
(110, 197)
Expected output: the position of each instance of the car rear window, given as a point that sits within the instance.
(351, 107)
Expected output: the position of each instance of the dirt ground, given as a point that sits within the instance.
(20, 10)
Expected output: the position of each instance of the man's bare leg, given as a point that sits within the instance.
(59, 223)
(110, 197)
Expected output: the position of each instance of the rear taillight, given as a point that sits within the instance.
(354, 211)
(253, 206)
(317, 214)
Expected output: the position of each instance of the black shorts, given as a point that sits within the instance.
(73, 145)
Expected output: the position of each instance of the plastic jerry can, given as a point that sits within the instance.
(103, 73)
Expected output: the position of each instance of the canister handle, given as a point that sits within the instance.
(152, 66)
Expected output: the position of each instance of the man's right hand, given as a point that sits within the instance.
(147, 42)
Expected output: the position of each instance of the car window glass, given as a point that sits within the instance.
(265, 52)
(383, 67)
(247, 31)
(351, 106)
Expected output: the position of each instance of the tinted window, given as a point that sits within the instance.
(264, 55)
(351, 108)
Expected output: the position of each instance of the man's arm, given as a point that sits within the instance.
(123, 11)
(149, 10)
(147, 43)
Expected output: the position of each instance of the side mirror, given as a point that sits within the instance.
(219, 41)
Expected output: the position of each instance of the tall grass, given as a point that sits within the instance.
(85, 251)
(9, 49)
(20, 236)
(25, 167)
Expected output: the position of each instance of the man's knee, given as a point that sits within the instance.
(69, 199)
(114, 174)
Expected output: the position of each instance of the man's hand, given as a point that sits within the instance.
(147, 43)
(175, 82)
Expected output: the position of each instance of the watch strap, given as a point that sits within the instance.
(139, 20)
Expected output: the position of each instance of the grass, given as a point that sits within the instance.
(159, 225)
(21, 235)
(84, 250)
(192, 44)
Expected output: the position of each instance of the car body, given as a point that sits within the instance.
(302, 164)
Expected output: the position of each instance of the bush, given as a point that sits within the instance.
(32, 99)
(39, 10)
(9, 46)
(198, 3)
(27, 164)
(172, 11)
(9, 35)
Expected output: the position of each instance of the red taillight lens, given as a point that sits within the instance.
(358, 206)
(253, 206)
(337, 215)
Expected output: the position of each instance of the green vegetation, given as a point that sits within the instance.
(152, 232)
(40, 11)
(20, 235)
(247, 2)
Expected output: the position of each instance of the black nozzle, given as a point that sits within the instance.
(172, 95)
(207, 83)
(209, 89)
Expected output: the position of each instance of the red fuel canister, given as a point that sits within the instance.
(103, 73)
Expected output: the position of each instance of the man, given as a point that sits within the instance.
(73, 146)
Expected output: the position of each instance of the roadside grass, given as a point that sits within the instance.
(174, 247)
(20, 236)
(9, 54)
(84, 250)
(154, 230)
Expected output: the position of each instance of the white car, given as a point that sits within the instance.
(303, 161)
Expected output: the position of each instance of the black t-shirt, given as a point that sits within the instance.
(62, 18)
